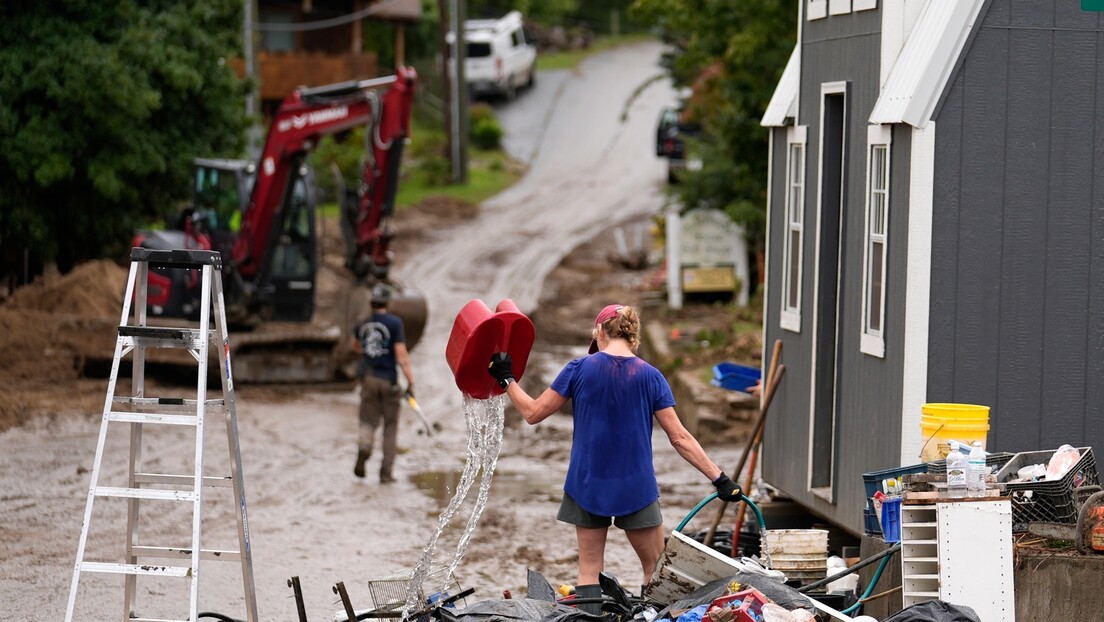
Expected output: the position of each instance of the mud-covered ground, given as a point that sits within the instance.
(545, 243)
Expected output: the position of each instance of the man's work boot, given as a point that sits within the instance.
(386, 477)
(362, 456)
(589, 592)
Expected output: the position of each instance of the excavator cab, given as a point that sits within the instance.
(285, 284)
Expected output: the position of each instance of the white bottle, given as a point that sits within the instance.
(977, 470)
(957, 466)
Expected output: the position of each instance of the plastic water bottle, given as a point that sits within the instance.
(957, 466)
(977, 470)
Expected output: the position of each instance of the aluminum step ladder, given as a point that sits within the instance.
(153, 490)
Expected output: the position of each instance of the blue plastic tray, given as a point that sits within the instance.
(735, 377)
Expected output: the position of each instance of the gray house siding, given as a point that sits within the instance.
(1017, 290)
(843, 48)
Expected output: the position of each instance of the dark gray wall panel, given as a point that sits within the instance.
(998, 13)
(1029, 13)
(1023, 266)
(977, 285)
(1068, 241)
(1094, 367)
(946, 200)
(843, 49)
(1018, 139)
(785, 458)
(1070, 15)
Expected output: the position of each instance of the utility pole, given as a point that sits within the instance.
(458, 105)
(249, 47)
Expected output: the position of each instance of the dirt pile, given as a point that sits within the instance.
(48, 330)
(94, 288)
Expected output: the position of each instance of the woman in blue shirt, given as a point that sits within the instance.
(611, 478)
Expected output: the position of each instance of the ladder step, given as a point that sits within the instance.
(177, 258)
(167, 419)
(182, 480)
(162, 337)
(168, 552)
(136, 569)
(146, 493)
(168, 404)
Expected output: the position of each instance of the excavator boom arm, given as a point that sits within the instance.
(307, 115)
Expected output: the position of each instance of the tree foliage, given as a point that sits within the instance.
(732, 54)
(104, 106)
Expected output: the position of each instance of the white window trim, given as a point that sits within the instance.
(839, 7)
(863, 5)
(790, 317)
(873, 342)
(818, 9)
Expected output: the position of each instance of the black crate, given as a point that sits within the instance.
(994, 461)
(1051, 501)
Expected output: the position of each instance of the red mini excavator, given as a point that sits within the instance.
(261, 217)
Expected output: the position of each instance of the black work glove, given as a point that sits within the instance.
(502, 368)
(727, 490)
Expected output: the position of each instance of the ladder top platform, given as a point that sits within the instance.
(177, 258)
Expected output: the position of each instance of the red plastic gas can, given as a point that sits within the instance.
(477, 333)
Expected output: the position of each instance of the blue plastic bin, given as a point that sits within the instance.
(873, 482)
(891, 520)
(735, 377)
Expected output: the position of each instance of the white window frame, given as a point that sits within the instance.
(818, 9)
(863, 5)
(872, 340)
(839, 7)
(792, 258)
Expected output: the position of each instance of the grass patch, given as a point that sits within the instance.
(571, 58)
(489, 172)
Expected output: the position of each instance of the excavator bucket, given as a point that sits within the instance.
(410, 305)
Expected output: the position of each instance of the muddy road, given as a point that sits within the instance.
(587, 138)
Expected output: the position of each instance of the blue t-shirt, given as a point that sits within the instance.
(378, 335)
(614, 399)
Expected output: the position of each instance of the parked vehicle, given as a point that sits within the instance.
(499, 58)
(674, 139)
(668, 118)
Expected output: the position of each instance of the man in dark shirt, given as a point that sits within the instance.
(381, 342)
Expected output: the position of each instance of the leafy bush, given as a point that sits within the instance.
(436, 170)
(346, 151)
(486, 132)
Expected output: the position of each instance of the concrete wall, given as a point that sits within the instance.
(1051, 587)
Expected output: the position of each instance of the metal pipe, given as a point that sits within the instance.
(843, 573)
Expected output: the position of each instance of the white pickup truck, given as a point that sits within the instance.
(499, 59)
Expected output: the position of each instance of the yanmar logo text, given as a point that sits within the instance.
(313, 118)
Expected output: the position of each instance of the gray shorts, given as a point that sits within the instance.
(571, 512)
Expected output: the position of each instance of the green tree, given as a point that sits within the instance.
(104, 106)
(732, 53)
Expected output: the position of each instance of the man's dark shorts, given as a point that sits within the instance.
(570, 512)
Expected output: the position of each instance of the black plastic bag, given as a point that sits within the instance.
(515, 609)
(935, 611)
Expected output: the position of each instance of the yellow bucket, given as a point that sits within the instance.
(943, 423)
